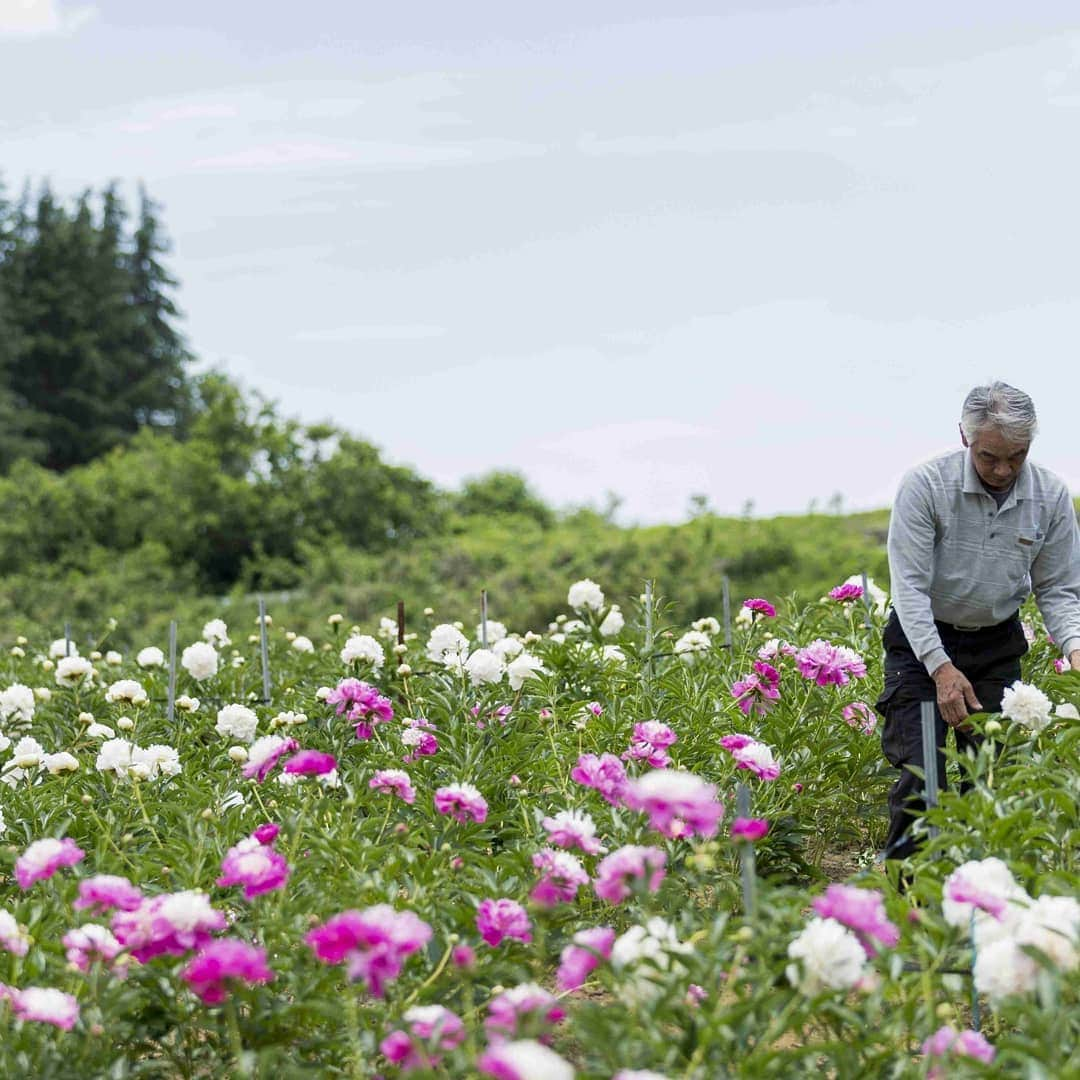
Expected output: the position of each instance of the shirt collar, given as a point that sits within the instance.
(1022, 489)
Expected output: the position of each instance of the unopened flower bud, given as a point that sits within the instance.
(125, 723)
(20, 640)
(992, 727)
(404, 669)
(86, 718)
(429, 611)
(17, 651)
(400, 650)
(238, 754)
(95, 655)
(290, 635)
(207, 814)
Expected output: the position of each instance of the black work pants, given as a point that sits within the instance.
(989, 658)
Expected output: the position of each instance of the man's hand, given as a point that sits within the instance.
(1074, 659)
(956, 696)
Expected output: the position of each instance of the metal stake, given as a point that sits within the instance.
(930, 758)
(727, 611)
(265, 652)
(170, 707)
(746, 856)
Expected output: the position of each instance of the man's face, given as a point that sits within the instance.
(997, 460)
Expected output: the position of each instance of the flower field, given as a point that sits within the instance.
(619, 847)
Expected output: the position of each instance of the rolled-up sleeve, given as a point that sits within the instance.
(1055, 576)
(911, 568)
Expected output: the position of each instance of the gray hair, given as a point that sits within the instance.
(1002, 407)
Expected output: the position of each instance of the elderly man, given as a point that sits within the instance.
(972, 534)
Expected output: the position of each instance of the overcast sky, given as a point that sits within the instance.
(755, 250)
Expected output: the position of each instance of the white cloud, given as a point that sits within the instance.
(41, 18)
(186, 111)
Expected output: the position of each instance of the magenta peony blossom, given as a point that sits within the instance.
(462, 802)
(311, 763)
(861, 910)
(523, 1011)
(223, 961)
(752, 755)
(43, 858)
(650, 742)
(266, 833)
(561, 875)
(103, 892)
(829, 665)
(463, 956)
(749, 830)
(46, 1005)
(605, 773)
(616, 872)
(373, 943)
(432, 1031)
(580, 958)
(844, 594)
(363, 704)
(498, 919)
(396, 781)
(83, 943)
(753, 694)
(265, 753)
(171, 924)
(760, 607)
(573, 829)
(419, 738)
(256, 866)
(678, 803)
(947, 1043)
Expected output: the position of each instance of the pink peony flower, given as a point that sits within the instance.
(678, 803)
(417, 735)
(754, 694)
(396, 781)
(171, 924)
(523, 1059)
(860, 715)
(861, 910)
(752, 755)
(580, 958)
(829, 665)
(103, 892)
(462, 802)
(13, 937)
(46, 1005)
(265, 753)
(256, 866)
(266, 833)
(363, 703)
(524, 1010)
(605, 773)
(760, 607)
(962, 891)
(498, 919)
(561, 875)
(845, 594)
(650, 742)
(83, 943)
(947, 1043)
(1060, 665)
(373, 943)
(311, 763)
(774, 648)
(616, 873)
(432, 1031)
(463, 956)
(224, 961)
(749, 830)
(573, 829)
(43, 858)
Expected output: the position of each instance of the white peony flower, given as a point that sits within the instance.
(99, 731)
(831, 956)
(1002, 968)
(42, 693)
(17, 703)
(63, 647)
(527, 1059)
(507, 648)
(613, 622)
(523, 667)
(61, 762)
(585, 594)
(483, 666)
(188, 704)
(745, 617)
(289, 719)
(1067, 711)
(445, 639)
(1027, 705)
(642, 952)
(612, 654)
(126, 690)
(113, 658)
(690, 644)
(707, 625)
(114, 756)
(387, 628)
(1051, 924)
(363, 647)
(159, 760)
(27, 754)
(991, 880)
(200, 660)
(151, 656)
(496, 631)
(303, 644)
(73, 670)
(237, 722)
(217, 633)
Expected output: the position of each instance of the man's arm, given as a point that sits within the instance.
(1055, 579)
(911, 566)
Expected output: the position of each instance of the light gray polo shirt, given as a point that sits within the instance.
(954, 555)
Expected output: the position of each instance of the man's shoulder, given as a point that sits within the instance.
(1046, 483)
(941, 471)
